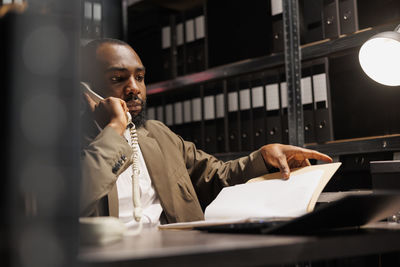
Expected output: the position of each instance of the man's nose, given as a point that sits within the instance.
(132, 86)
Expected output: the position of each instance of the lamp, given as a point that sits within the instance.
(380, 57)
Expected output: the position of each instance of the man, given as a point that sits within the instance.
(177, 181)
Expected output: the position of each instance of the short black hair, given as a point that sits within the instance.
(88, 55)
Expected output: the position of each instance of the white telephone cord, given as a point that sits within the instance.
(137, 208)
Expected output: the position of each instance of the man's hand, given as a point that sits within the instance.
(286, 157)
(109, 112)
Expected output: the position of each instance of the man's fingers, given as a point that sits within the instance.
(91, 103)
(306, 162)
(126, 110)
(124, 106)
(312, 154)
(284, 167)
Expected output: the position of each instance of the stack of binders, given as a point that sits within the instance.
(339, 17)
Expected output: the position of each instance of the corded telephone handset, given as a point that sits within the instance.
(133, 142)
(96, 97)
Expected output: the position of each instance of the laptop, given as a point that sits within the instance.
(349, 212)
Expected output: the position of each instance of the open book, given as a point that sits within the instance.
(268, 196)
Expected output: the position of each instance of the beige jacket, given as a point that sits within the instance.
(186, 179)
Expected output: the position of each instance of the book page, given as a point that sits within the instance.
(329, 171)
(268, 198)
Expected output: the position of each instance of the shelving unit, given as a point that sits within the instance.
(323, 48)
(357, 118)
(308, 52)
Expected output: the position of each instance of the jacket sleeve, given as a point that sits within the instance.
(209, 175)
(102, 161)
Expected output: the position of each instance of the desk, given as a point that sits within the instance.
(194, 248)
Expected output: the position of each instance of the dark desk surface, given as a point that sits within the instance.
(181, 248)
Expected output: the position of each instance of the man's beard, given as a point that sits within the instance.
(140, 119)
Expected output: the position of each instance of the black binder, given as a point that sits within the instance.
(348, 16)
(234, 118)
(246, 116)
(310, 21)
(274, 120)
(210, 133)
(330, 13)
(259, 111)
(323, 121)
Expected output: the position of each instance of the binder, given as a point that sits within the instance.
(178, 117)
(311, 20)
(323, 123)
(277, 26)
(156, 110)
(196, 122)
(166, 52)
(209, 116)
(87, 19)
(199, 51)
(186, 131)
(182, 117)
(169, 115)
(308, 110)
(331, 26)
(189, 42)
(92, 20)
(348, 16)
(219, 121)
(259, 113)
(181, 51)
(233, 117)
(195, 42)
(246, 117)
(210, 138)
(97, 20)
(151, 113)
(274, 123)
(284, 112)
(160, 113)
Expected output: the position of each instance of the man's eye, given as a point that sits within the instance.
(115, 78)
(140, 78)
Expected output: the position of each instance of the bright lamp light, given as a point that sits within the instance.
(380, 57)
